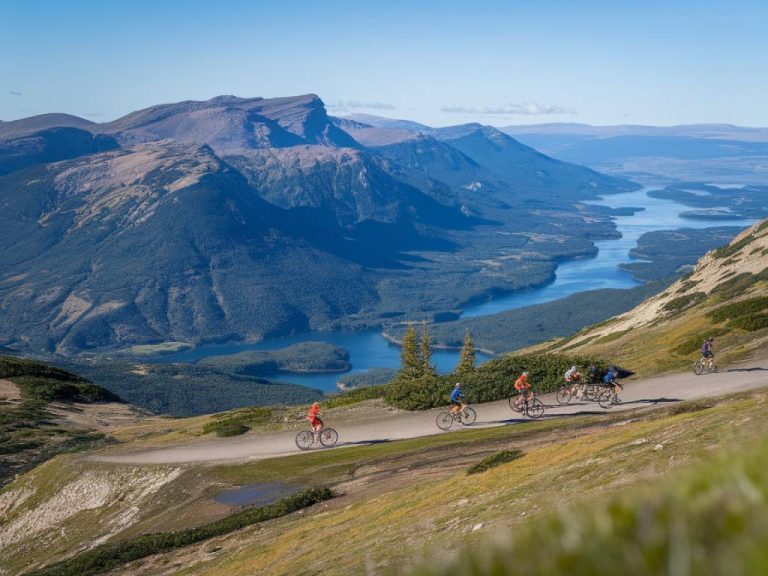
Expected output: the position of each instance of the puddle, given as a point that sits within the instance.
(256, 495)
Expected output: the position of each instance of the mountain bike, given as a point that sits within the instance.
(528, 405)
(306, 438)
(584, 390)
(704, 365)
(465, 416)
(608, 398)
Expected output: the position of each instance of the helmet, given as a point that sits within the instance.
(316, 404)
(525, 373)
(458, 384)
(573, 367)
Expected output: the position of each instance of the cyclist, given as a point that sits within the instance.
(706, 351)
(314, 420)
(573, 377)
(610, 380)
(457, 396)
(523, 388)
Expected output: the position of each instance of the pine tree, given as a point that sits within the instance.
(410, 363)
(427, 368)
(467, 357)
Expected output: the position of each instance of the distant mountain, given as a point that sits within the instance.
(50, 145)
(699, 153)
(245, 218)
(231, 125)
(381, 122)
(718, 131)
(531, 173)
(27, 126)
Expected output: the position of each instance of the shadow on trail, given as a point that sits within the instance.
(363, 442)
(755, 369)
(652, 401)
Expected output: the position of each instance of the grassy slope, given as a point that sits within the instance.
(29, 432)
(664, 333)
(405, 500)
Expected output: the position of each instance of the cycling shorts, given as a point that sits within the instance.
(315, 422)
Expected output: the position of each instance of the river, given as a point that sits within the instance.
(369, 349)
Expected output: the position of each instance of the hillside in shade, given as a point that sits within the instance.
(245, 218)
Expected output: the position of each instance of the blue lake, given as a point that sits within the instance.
(369, 349)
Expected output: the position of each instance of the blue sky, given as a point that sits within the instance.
(500, 63)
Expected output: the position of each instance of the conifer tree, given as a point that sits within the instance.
(427, 368)
(410, 363)
(467, 357)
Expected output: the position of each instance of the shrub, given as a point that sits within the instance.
(734, 247)
(237, 422)
(750, 323)
(493, 380)
(226, 428)
(495, 460)
(746, 307)
(682, 302)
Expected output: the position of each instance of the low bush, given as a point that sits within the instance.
(226, 428)
(750, 323)
(746, 307)
(494, 380)
(106, 557)
(682, 302)
(495, 460)
(691, 406)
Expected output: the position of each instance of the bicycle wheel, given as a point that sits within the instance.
(305, 439)
(698, 367)
(468, 416)
(328, 437)
(535, 408)
(444, 420)
(514, 405)
(606, 399)
(564, 394)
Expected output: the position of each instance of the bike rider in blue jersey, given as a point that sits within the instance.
(456, 399)
(610, 380)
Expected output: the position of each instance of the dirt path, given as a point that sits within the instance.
(647, 392)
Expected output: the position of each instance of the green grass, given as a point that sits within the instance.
(707, 520)
(495, 460)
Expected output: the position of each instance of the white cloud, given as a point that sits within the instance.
(525, 109)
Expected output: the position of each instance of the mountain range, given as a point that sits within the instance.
(720, 153)
(245, 218)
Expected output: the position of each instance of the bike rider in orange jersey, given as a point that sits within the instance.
(314, 420)
(523, 387)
